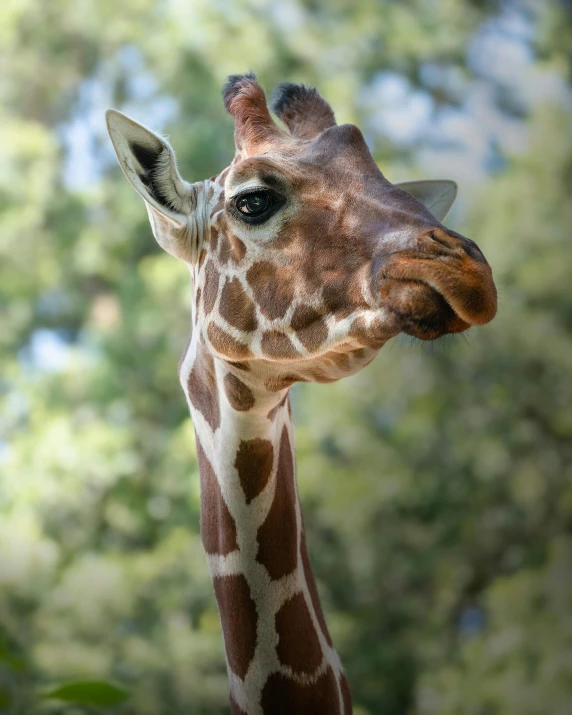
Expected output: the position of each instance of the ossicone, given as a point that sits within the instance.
(245, 100)
(302, 109)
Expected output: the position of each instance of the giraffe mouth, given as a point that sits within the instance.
(432, 296)
(420, 310)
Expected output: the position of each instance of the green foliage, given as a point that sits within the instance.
(98, 693)
(436, 483)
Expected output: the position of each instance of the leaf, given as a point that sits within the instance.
(91, 692)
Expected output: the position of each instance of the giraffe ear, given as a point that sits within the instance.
(149, 163)
(437, 195)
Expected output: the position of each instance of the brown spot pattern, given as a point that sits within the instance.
(218, 530)
(372, 335)
(254, 465)
(277, 547)
(236, 307)
(378, 333)
(333, 295)
(238, 248)
(311, 582)
(231, 248)
(358, 330)
(239, 395)
(225, 344)
(211, 287)
(282, 696)
(303, 317)
(342, 294)
(346, 695)
(278, 345)
(281, 382)
(203, 390)
(298, 643)
(273, 288)
(239, 619)
(310, 327)
(214, 238)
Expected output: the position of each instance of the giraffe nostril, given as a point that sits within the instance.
(452, 241)
(472, 250)
(449, 241)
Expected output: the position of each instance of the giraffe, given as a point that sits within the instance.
(305, 260)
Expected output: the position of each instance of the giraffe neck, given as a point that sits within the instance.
(279, 655)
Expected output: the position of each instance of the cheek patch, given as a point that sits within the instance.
(203, 390)
(273, 288)
(310, 327)
(211, 287)
(236, 307)
(278, 346)
(231, 248)
(226, 345)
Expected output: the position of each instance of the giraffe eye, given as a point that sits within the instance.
(253, 204)
(256, 207)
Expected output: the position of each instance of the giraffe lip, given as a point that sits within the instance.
(421, 311)
(455, 286)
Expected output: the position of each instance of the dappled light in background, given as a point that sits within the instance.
(436, 483)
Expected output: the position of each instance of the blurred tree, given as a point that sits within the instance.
(436, 483)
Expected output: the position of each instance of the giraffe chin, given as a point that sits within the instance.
(421, 311)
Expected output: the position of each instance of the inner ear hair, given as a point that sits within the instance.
(149, 164)
(156, 163)
(302, 109)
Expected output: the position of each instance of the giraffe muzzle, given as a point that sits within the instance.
(445, 286)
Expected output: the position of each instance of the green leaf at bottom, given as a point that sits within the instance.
(91, 692)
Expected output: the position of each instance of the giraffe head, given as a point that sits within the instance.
(305, 258)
